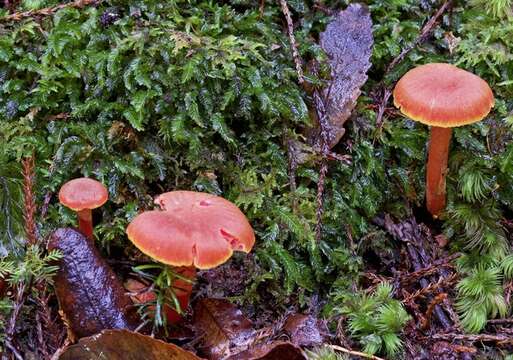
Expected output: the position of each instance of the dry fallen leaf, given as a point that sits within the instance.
(224, 328)
(347, 42)
(303, 330)
(124, 345)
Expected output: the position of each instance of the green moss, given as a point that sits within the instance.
(151, 96)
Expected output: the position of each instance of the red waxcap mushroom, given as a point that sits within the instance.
(82, 195)
(192, 228)
(443, 96)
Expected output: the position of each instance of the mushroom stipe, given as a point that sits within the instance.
(443, 96)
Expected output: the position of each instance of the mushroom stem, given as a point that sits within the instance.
(183, 290)
(85, 222)
(437, 169)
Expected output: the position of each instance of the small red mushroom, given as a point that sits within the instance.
(192, 229)
(82, 195)
(443, 96)
(141, 293)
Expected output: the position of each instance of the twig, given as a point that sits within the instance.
(500, 321)
(431, 288)
(355, 353)
(17, 16)
(406, 278)
(424, 33)
(292, 173)
(290, 29)
(382, 106)
(437, 300)
(50, 332)
(15, 352)
(11, 325)
(473, 338)
(408, 231)
(324, 127)
(5, 208)
(261, 8)
(29, 208)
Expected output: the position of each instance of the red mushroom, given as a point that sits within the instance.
(82, 195)
(193, 230)
(141, 293)
(443, 96)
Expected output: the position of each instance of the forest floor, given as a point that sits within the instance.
(286, 109)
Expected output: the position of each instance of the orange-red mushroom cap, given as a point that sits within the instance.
(83, 193)
(443, 95)
(192, 228)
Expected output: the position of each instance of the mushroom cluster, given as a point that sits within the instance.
(191, 230)
(442, 96)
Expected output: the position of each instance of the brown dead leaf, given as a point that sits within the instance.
(303, 330)
(347, 42)
(225, 329)
(90, 295)
(279, 350)
(124, 345)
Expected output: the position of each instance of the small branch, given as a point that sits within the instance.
(11, 325)
(424, 32)
(382, 106)
(29, 208)
(6, 210)
(355, 353)
(500, 321)
(431, 288)
(473, 338)
(407, 278)
(18, 16)
(427, 319)
(295, 53)
(13, 350)
(325, 136)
